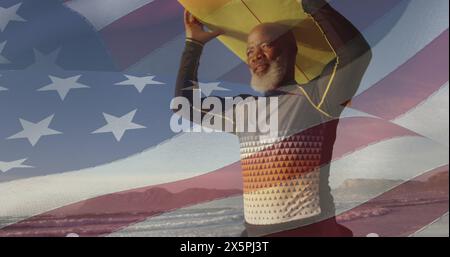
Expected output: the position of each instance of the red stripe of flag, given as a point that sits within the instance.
(408, 85)
(143, 31)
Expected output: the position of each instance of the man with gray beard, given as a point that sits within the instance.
(285, 176)
(268, 67)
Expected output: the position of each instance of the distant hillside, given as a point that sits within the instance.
(432, 192)
(153, 200)
(356, 189)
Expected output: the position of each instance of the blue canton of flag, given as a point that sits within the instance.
(63, 103)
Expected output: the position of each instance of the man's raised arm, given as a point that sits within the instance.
(187, 72)
(187, 81)
(341, 78)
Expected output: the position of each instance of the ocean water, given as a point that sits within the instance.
(222, 218)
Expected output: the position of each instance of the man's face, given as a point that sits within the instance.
(262, 49)
(266, 60)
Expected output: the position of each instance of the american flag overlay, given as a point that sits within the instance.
(86, 147)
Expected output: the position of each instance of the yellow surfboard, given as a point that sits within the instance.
(238, 17)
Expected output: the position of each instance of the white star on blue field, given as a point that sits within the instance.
(8, 15)
(3, 59)
(140, 83)
(207, 88)
(6, 166)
